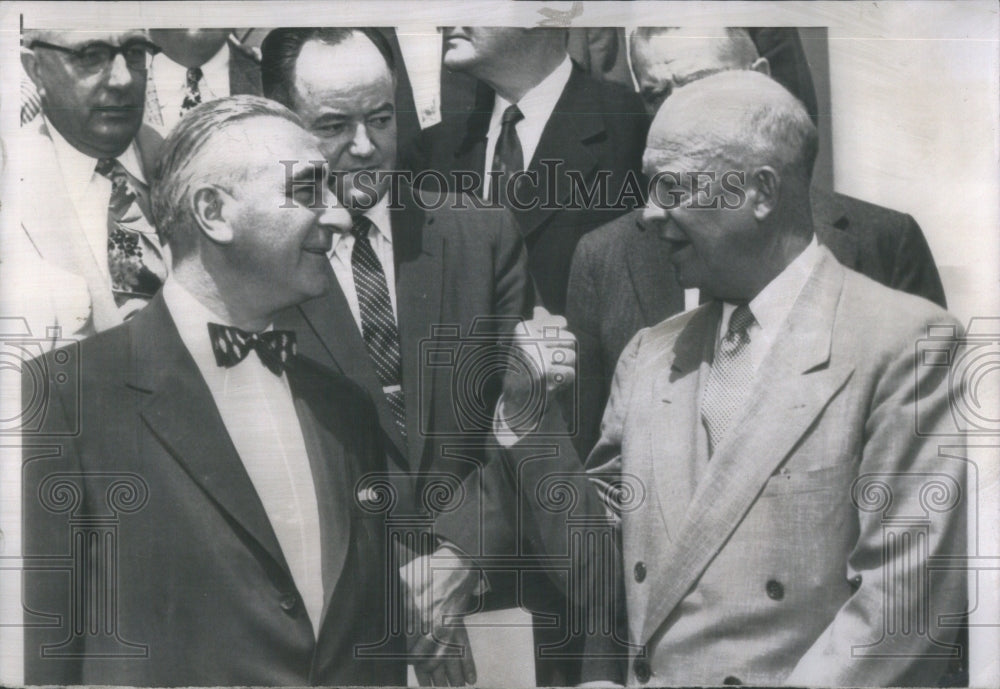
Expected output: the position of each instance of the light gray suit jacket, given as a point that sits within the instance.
(800, 552)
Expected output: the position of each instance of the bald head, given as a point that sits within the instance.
(665, 59)
(728, 157)
(741, 119)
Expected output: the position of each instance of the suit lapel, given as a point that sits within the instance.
(831, 222)
(331, 320)
(471, 151)
(53, 226)
(793, 387)
(575, 123)
(674, 389)
(182, 415)
(652, 274)
(419, 254)
(329, 463)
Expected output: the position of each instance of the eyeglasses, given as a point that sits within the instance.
(95, 57)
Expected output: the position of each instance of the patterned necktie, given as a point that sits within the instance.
(192, 94)
(508, 157)
(231, 346)
(135, 259)
(378, 325)
(730, 378)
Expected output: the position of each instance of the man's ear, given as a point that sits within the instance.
(767, 191)
(29, 61)
(210, 212)
(761, 65)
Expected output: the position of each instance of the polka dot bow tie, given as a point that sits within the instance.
(231, 346)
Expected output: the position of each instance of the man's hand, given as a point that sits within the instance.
(544, 363)
(438, 587)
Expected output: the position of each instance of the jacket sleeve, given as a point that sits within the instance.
(911, 507)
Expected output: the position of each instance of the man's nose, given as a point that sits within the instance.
(118, 72)
(361, 144)
(654, 213)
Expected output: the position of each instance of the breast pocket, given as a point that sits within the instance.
(834, 478)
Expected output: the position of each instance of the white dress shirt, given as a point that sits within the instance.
(258, 411)
(170, 81)
(380, 237)
(90, 192)
(770, 308)
(536, 105)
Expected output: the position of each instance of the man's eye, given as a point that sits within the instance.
(328, 130)
(93, 56)
(307, 195)
(380, 121)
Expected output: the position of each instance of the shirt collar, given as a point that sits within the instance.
(771, 306)
(381, 219)
(78, 168)
(214, 73)
(538, 103)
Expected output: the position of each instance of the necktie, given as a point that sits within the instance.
(231, 346)
(378, 325)
(135, 259)
(192, 94)
(508, 157)
(730, 378)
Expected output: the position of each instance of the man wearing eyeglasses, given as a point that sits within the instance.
(94, 256)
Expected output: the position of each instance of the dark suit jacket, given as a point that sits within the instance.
(452, 268)
(622, 281)
(596, 126)
(244, 71)
(194, 589)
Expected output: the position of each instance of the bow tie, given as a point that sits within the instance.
(231, 346)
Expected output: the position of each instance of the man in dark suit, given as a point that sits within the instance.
(200, 521)
(545, 108)
(446, 267)
(197, 65)
(621, 279)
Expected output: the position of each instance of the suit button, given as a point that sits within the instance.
(288, 602)
(855, 582)
(775, 591)
(642, 672)
(639, 571)
(731, 681)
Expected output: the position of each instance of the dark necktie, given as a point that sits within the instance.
(231, 346)
(730, 378)
(508, 157)
(192, 94)
(378, 325)
(135, 259)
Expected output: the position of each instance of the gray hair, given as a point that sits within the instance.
(181, 165)
(754, 121)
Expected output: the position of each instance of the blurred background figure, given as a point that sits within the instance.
(197, 66)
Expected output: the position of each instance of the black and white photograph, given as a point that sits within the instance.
(506, 344)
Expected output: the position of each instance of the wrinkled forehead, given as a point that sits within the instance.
(677, 55)
(72, 38)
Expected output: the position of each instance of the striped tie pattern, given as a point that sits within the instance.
(730, 378)
(378, 325)
(135, 259)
